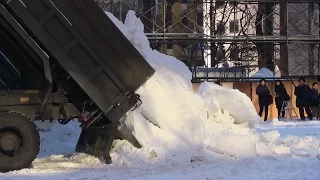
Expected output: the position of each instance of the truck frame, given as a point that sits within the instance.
(64, 59)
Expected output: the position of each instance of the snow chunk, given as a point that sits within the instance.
(235, 102)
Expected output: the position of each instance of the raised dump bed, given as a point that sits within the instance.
(87, 56)
(89, 47)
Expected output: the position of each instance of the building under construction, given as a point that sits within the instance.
(231, 39)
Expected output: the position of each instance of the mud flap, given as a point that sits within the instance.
(97, 141)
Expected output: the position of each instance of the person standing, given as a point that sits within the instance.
(281, 96)
(314, 101)
(219, 82)
(265, 99)
(301, 91)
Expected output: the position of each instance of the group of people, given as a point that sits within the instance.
(307, 99)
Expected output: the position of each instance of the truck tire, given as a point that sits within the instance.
(19, 141)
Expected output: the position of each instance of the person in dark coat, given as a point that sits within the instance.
(219, 82)
(265, 98)
(301, 91)
(314, 101)
(281, 96)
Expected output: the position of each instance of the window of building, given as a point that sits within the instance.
(219, 3)
(221, 28)
(234, 26)
(233, 3)
(200, 19)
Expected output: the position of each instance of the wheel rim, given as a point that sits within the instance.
(10, 141)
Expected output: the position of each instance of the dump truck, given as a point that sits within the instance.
(64, 60)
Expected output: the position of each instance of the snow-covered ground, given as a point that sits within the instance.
(212, 134)
(303, 139)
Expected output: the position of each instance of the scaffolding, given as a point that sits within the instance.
(231, 39)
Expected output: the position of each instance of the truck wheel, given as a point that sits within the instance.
(19, 141)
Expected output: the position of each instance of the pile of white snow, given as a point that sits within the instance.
(231, 100)
(174, 122)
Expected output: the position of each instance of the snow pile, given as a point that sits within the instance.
(235, 102)
(302, 146)
(174, 122)
(300, 138)
(266, 73)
